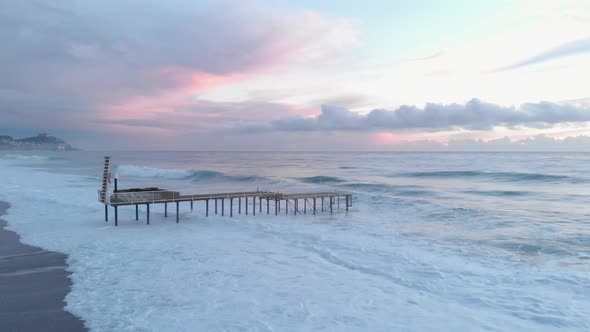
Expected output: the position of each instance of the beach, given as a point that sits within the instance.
(33, 284)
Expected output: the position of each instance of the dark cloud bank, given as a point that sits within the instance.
(474, 115)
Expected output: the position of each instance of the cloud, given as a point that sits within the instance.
(134, 60)
(474, 115)
(576, 47)
(202, 115)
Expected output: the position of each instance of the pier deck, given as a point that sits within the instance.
(150, 196)
(312, 202)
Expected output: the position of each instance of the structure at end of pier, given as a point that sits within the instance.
(311, 202)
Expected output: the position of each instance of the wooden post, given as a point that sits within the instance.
(216, 206)
(286, 206)
(346, 203)
(276, 206)
(331, 202)
(207, 208)
(260, 204)
(267, 206)
(339, 202)
(136, 212)
(253, 206)
(231, 207)
(222, 206)
(322, 203)
(177, 214)
(246, 203)
(314, 205)
(304, 205)
(296, 206)
(191, 205)
(116, 216)
(165, 210)
(148, 214)
(239, 205)
(106, 213)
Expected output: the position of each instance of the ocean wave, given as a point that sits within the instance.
(24, 157)
(498, 193)
(321, 179)
(524, 248)
(382, 188)
(500, 176)
(181, 174)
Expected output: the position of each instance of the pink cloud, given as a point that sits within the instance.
(107, 69)
(385, 138)
(184, 85)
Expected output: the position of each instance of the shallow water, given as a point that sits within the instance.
(434, 241)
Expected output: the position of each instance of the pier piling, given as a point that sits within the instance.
(331, 203)
(136, 196)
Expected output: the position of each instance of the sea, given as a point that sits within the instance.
(432, 242)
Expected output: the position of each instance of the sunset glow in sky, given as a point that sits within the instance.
(296, 75)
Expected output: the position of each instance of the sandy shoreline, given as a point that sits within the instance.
(33, 284)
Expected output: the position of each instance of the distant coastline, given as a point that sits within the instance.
(42, 141)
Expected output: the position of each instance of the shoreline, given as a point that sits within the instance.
(33, 284)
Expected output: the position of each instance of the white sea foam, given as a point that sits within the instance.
(166, 173)
(267, 273)
(151, 172)
(12, 156)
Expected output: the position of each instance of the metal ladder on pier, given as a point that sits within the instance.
(105, 180)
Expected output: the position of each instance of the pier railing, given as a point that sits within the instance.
(162, 196)
(143, 197)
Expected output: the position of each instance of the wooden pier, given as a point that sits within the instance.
(297, 203)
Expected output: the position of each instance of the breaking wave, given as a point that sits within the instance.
(180, 174)
(25, 157)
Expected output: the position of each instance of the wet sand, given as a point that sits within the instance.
(33, 285)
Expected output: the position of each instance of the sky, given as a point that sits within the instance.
(298, 75)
